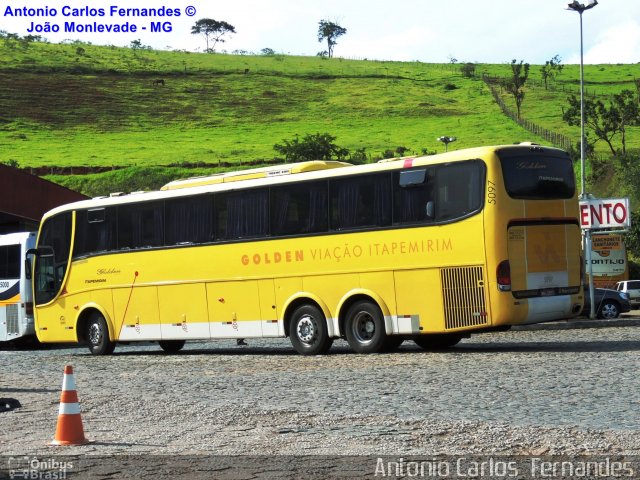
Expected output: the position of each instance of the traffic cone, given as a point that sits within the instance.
(69, 430)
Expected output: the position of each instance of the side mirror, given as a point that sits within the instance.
(42, 252)
(27, 269)
(27, 262)
(430, 209)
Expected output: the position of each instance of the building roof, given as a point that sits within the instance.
(24, 199)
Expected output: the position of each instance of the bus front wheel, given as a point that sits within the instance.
(364, 328)
(308, 331)
(98, 336)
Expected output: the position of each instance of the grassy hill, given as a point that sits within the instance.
(72, 105)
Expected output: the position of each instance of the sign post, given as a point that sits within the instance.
(606, 215)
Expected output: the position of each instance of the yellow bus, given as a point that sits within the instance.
(430, 249)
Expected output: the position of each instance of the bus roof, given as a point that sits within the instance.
(14, 238)
(262, 172)
(274, 175)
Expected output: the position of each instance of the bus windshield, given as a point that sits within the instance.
(538, 177)
(50, 267)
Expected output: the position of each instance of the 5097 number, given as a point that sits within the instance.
(492, 194)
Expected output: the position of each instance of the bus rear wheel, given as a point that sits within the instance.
(437, 342)
(364, 328)
(98, 336)
(308, 331)
(171, 346)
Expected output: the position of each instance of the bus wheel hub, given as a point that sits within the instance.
(94, 334)
(306, 329)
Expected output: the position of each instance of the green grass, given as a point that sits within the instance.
(61, 106)
(112, 118)
(545, 106)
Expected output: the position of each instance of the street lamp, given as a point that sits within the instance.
(446, 140)
(586, 246)
(580, 8)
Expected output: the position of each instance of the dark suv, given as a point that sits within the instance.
(609, 303)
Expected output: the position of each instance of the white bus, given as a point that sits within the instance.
(16, 299)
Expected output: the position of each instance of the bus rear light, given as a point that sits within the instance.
(503, 274)
(29, 308)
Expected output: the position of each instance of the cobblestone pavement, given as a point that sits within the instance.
(561, 391)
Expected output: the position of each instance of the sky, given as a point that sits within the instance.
(494, 31)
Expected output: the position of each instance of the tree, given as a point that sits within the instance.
(317, 146)
(632, 238)
(597, 117)
(212, 29)
(515, 85)
(551, 69)
(468, 70)
(628, 114)
(330, 31)
(606, 121)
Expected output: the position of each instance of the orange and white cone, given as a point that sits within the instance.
(69, 430)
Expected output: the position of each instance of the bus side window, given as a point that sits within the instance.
(459, 191)
(299, 208)
(413, 198)
(243, 214)
(189, 220)
(360, 201)
(10, 261)
(141, 225)
(95, 231)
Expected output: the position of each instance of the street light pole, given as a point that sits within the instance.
(580, 8)
(446, 140)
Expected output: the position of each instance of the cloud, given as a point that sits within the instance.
(408, 30)
(406, 45)
(619, 44)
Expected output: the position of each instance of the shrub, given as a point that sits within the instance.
(359, 157)
(468, 70)
(318, 146)
(401, 151)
